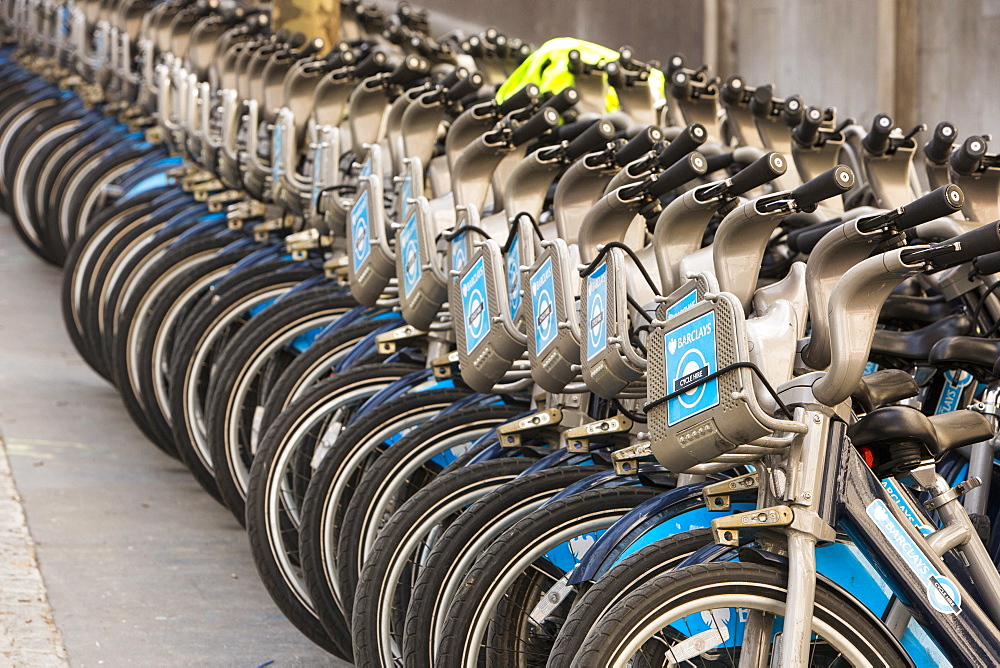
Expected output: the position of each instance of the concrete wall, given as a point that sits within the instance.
(656, 28)
(921, 60)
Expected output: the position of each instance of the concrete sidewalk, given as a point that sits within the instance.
(141, 566)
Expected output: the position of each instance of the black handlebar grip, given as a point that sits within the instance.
(966, 158)
(979, 242)
(591, 139)
(719, 161)
(315, 45)
(830, 183)
(411, 69)
(764, 169)
(639, 144)
(937, 149)
(690, 167)
(806, 132)
(762, 101)
(615, 75)
(939, 203)
(680, 85)
(877, 140)
(540, 123)
(465, 87)
(791, 114)
(569, 131)
(804, 240)
(374, 63)
(733, 90)
(338, 58)
(522, 98)
(453, 77)
(296, 40)
(563, 100)
(689, 139)
(987, 264)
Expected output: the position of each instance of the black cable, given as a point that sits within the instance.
(628, 251)
(634, 417)
(712, 376)
(978, 312)
(448, 236)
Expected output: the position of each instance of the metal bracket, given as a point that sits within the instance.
(445, 366)
(726, 530)
(626, 460)
(262, 231)
(578, 438)
(388, 341)
(219, 201)
(336, 268)
(958, 490)
(717, 494)
(155, 135)
(243, 210)
(202, 189)
(300, 243)
(510, 434)
(189, 181)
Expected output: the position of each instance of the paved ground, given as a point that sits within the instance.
(141, 566)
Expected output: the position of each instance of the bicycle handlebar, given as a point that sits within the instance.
(598, 134)
(374, 63)
(689, 167)
(764, 169)
(830, 183)
(563, 100)
(762, 101)
(411, 69)
(939, 203)
(689, 139)
(804, 240)
(876, 141)
(464, 87)
(965, 159)
(543, 121)
(791, 115)
(964, 248)
(938, 148)
(522, 98)
(639, 144)
(807, 131)
(987, 264)
(733, 90)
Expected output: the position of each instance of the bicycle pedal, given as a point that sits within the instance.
(389, 341)
(511, 433)
(578, 439)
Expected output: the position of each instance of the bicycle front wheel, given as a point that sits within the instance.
(712, 614)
